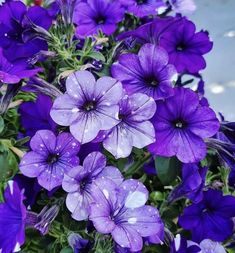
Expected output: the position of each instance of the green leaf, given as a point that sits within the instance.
(66, 250)
(1, 124)
(167, 169)
(9, 165)
(96, 55)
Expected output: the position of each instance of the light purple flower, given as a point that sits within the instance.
(13, 72)
(144, 7)
(12, 219)
(78, 182)
(121, 211)
(50, 158)
(183, 6)
(148, 72)
(95, 15)
(134, 128)
(88, 106)
(181, 125)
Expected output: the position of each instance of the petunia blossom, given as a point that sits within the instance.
(121, 211)
(211, 218)
(148, 72)
(78, 183)
(50, 158)
(134, 128)
(143, 8)
(13, 72)
(183, 6)
(178, 36)
(35, 115)
(15, 20)
(95, 15)
(12, 219)
(88, 106)
(181, 125)
(193, 182)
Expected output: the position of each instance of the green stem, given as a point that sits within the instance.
(135, 167)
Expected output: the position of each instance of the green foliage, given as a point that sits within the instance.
(167, 169)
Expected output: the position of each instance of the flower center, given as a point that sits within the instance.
(179, 123)
(152, 81)
(181, 46)
(52, 158)
(85, 182)
(100, 20)
(89, 106)
(142, 1)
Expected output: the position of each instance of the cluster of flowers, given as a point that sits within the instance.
(96, 96)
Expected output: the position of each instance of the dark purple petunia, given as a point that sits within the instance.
(142, 8)
(11, 73)
(211, 218)
(15, 20)
(224, 148)
(121, 211)
(30, 186)
(148, 72)
(134, 128)
(12, 219)
(78, 244)
(181, 125)
(178, 36)
(150, 32)
(193, 182)
(184, 46)
(228, 128)
(50, 158)
(78, 183)
(36, 115)
(95, 15)
(88, 106)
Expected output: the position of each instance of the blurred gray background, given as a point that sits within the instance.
(218, 17)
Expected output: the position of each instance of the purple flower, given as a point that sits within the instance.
(50, 158)
(134, 129)
(30, 186)
(95, 15)
(224, 148)
(121, 211)
(15, 20)
(185, 46)
(142, 8)
(228, 128)
(88, 106)
(78, 244)
(78, 182)
(193, 182)
(178, 36)
(181, 245)
(211, 218)
(181, 124)
(208, 246)
(15, 71)
(148, 72)
(36, 115)
(150, 32)
(183, 6)
(12, 219)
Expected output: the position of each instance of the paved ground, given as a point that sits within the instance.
(218, 17)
